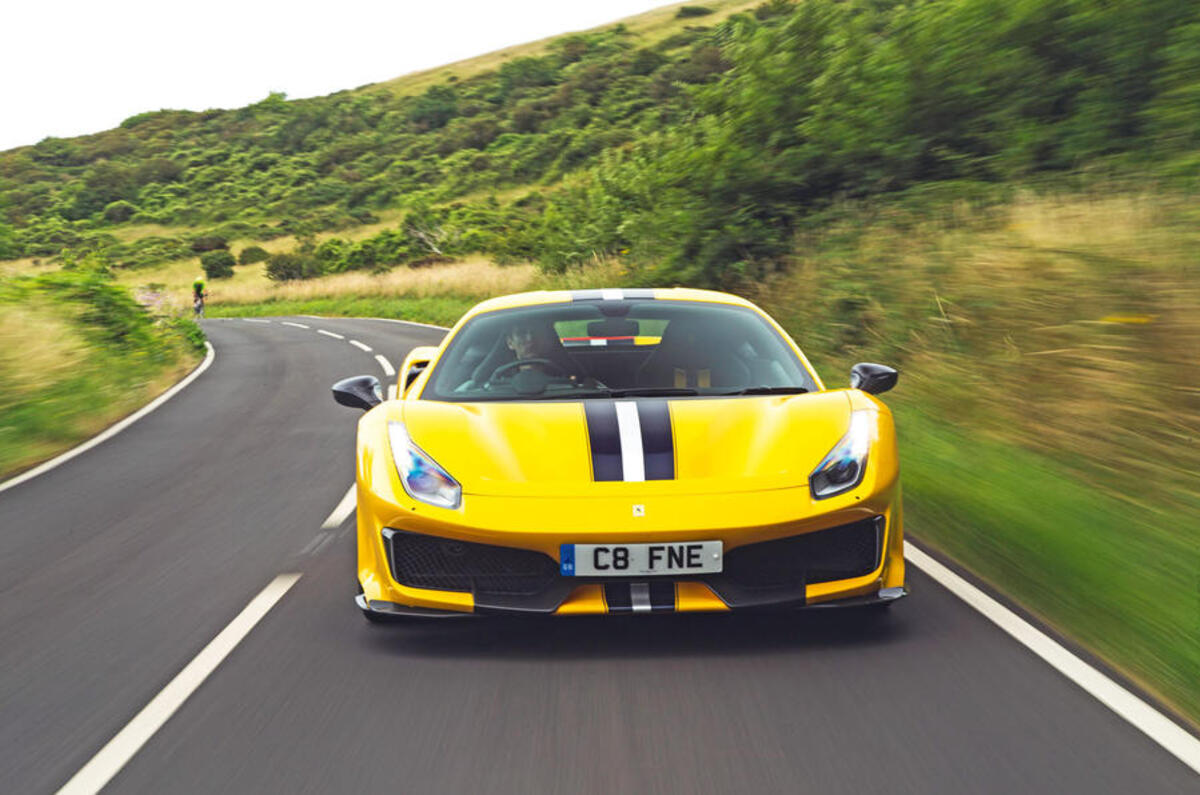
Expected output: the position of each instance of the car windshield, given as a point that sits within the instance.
(616, 348)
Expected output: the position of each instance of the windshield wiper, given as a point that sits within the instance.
(769, 390)
(653, 391)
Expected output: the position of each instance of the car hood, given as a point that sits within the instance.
(578, 448)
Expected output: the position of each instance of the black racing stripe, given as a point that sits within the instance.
(618, 597)
(640, 293)
(604, 438)
(662, 596)
(658, 445)
(586, 295)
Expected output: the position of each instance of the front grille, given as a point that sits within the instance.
(444, 564)
(849, 550)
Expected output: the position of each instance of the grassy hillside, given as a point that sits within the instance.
(998, 197)
(76, 354)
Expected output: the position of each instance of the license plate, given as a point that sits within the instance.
(638, 560)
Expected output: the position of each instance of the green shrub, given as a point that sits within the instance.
(289, 266)
(119, 212)
(252, 254)
(692, 11)
(209, 243)
(218, 264)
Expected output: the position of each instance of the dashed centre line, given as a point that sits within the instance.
(343, 509)
(294, 325)
(330, 334)
(254, 320)
(362, 346)
(385, 364)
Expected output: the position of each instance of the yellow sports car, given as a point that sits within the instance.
(623, 451)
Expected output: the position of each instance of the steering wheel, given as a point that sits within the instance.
(549, 365)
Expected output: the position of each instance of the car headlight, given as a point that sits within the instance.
(420, 475)
(843, 468)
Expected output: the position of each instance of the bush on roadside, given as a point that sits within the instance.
(252, 254)
(289, 266)
(686, 12)
(218, 264)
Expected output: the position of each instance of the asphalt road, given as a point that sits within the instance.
(119, 566)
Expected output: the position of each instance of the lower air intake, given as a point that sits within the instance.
(839, 553)
(443, 564)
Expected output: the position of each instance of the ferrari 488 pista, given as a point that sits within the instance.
(623, 451)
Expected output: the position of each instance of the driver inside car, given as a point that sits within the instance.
(529, 346)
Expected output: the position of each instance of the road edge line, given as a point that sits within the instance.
(115, 428)
(117, 752)
(1145, 718)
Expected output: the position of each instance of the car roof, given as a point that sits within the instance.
(540, 297)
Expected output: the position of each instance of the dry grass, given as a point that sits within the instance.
(38, 347)
(1065, 324)
(472, 278)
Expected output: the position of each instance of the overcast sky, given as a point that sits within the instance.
(69, 68)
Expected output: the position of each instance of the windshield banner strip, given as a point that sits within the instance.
(613, 294)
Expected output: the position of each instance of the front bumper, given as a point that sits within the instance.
(881, 598)
(420, 574)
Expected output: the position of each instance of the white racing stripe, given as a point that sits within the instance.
(343, 509)
(294, 325)
(362, 346)
(633, 464)
(109, 760)
(385, 364)
(639, 597)
(116, 428)
(612, 295)
(1148, 720)
(330, 334)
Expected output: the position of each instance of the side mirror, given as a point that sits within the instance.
(873, 378)
(414, 364)
(360, 392)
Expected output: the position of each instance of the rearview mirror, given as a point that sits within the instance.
(873, 378)
(360, 392)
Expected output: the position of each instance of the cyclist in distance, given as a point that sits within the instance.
(198, 296)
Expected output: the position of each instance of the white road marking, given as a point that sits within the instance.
(391, 392)
(294, 325)
(322, 540)
(116, 428)
(330, 334)
(308, 548)
(629, 426)
(1145, 718)
(109, 760)
(409, 323)
(342, 510)
(385, 364)
(362, 346)
(254, 320)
